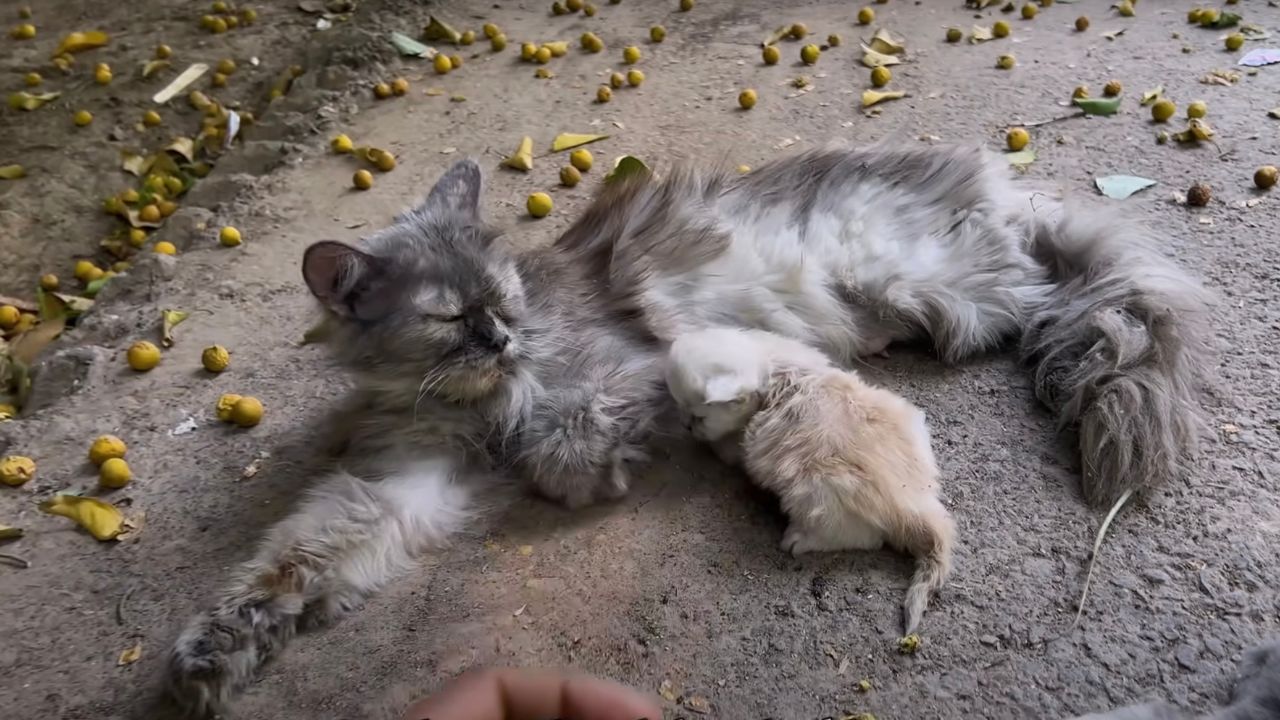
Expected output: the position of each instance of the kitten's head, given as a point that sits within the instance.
(717, 378)
(430, 305)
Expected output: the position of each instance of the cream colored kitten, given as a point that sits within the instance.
(850, 462)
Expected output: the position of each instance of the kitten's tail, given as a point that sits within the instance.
(929, 535)
(346, 540)
(1118, 343)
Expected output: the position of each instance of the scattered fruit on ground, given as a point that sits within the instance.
(143, 355)
(747, 99)
(1082, 23)
(399, 86)
(881, 76)
(341, 144)
(798, 31)
(151, 118)
(149, 213)
(1001, 29)
(686, 5)
(25, 31)
(1163, 109)
(382, 159)
(164, 247)
(1234, 41)
(631, 55)
(543, 55)
(82, 118)
(498, 42)
(657, 33)
(539, 204)
(527, 51)
(1125, 8)
(106, 447)
(32, 79)
(1265, 177)
(866, 16)
(581, 159)
(114, 473)
(833, 40)
(635, 78)
(215, 358)
(1006, 62)
(363, 179)
(1208, 17)
(1029, 11)
(569, 176)
(592, 42)
(1112, 88)
(229, 236)
(137, 237)
(16, 470)
(809, 54)
(163, 52)
(455, 61)
(1080, 91)
(604, 94)
(573, 5)
(9, 316)
(1017, 138)
(224, 406)
(84, 270)
(1197, 109)
(1199, 195)
(771, 55)
(226, 66)
(442, 64)
(617, 79)
(468, 38)
(247, 412)
(1193, 15)
(744, 169)
(49, 282)
(954, 35)
(382, 90)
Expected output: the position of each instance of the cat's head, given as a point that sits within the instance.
(430, 304)
(718, 378)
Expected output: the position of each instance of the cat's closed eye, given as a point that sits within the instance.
(445, 318)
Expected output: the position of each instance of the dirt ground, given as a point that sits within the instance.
(682, 581)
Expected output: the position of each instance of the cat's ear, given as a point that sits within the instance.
(456, 192)
(723, 389)
(341, 277)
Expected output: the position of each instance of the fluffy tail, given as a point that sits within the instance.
(929, 536)
(1118, 343)
(346, 540)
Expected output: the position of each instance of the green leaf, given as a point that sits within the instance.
(1226, 20)
(1022, 158)
(410, 47)
(95, 286)
(438, 29)
(1119, 187)
(1098, 106)
(625, 167)
(26, 101)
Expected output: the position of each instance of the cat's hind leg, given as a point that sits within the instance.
(348, 537)
(851, 533)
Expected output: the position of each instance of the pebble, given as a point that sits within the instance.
(989, 640)
(1187, 656)
(1155, 576)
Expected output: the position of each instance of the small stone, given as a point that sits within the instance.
(989, 640)
(1155, 576)
(1188, 657)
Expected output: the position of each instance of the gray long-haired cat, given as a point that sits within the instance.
(547, 365)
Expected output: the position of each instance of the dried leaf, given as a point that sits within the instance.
(1151, 95)
(698, 704)
(525, 550)
(1119, 187)
(23, 100)
(154, 67)
(184, 147)
(558, 47)
(180, 83)
(72, 305)
(412, 48)
(873, 59)
(129, 656)
(1196, 131)
(78, 41)
(12, 172)
(667, 690)
(1221, 77)
(133, 163)
(1113, 34)
(10, 533)
(434, 92)
(872, 97)
(626, 166)
(438, 29)
(980, 33)
(1098, 106)
(1022, 158)
(883, 42)
(776, 35)
(457, 98)
(169, 319)
(569, 141)
(102, 519)
(523, 157)
(1274, 112)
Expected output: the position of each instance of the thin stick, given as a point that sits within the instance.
(1097, 545)
(120, 620)
(1060, 118)
(15, 560)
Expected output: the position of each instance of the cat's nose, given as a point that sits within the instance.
(498, 341)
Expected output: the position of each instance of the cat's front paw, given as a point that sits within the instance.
(798, 540)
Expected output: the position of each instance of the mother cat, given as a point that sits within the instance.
(477, 364)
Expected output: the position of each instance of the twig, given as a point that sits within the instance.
(120, 619)
(1097, 545)
(15, 560)
(1038, 123)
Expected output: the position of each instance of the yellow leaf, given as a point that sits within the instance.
(77, 41)
(558, 47)
(568, 141)
(873, 59)
(1196, 131)
(981, 33)
(871, 97)
(169, 319)
(184, 146)
(134, 163)
(523, 157)
(437, 29)
(153, 67)
(23, 100)
(525, 550)
(102, 519)
(1151, 95)
(434, 92)
(776, 35)
(10, 533)
(883, 42)
(129, 656)
(626, 166)
(12, 172)
(180, 83)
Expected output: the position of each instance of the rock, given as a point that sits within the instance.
(66, 372)
(258, 157)
(989, 640)
(1155, 576)
(1212, 583)
(1188, 657)
(186, 226)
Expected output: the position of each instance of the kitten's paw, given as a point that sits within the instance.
(798, 540)
(208, 662)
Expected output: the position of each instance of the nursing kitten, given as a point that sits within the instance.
(850, 462)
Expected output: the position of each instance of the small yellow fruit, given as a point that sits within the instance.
(617, 79)
(151, 118)
(341, 144)
(569, 176)
(1265, 177)
(1112, 88)
(32, 79)
(25, 31)
(1029, 11)
(686, 5)
(249, 16)
(218, 80)
(1001, 29)
(9, 316)
(137, 237)
(1234, 41)
(581, 159)
(130, 196)
(490, 30)
(1193, 15)
(82, 118)
(1197, 109)
(1125, 8)
(164, 247)
(106, 447)
(382, 90)
(24, 12)
(219, 7)
(120, 266)
(1208, 16)
(468, 38)
(573, 5)
(657, 33)
(1082, 23)
(589, 10)
(631, 55)
(747, 99)
(26, 321)
(635, 78)
(363, 180)
(49, 282)
(215, 358)
(798, 31)
(539, 205)
(866, 16)
(1163, 109)
(247, 412)
(591, 42)
(149, 213)
(143, 355)
(743, 169)
(1080, 91)
(558, 9)
(528, 51)
(166, 207)
(603, 94)
(218, 26)
(1006, 62)
(229, 236)
(1017, 138)
(809, 54)
(383, 160)
(543, 55)
(498, 42)
(114, 474)
(400, 86)
(833, 40)
(881, 76)
(456, 61)
(226, 66)
(771, 55)
(954, 35)
(84, 270)
(442, 65)
(16, 470)
(224, 406)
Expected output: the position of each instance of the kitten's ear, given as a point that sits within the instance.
(338, 275)
(456, 192)
(723, 389)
